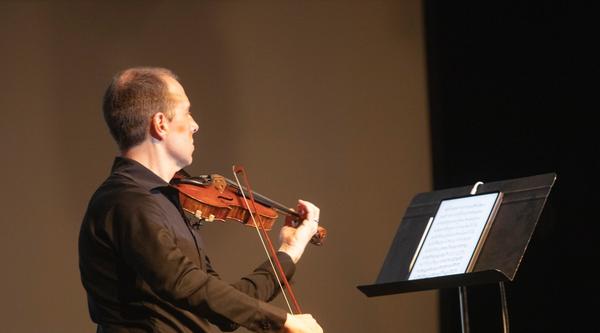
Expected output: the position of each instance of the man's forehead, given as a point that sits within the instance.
(175, 89)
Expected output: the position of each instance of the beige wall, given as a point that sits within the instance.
(320, 100)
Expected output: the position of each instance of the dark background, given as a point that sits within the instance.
(508, 92)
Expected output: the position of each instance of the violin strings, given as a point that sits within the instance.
(264, 245)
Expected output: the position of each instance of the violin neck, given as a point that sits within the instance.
(264, 200)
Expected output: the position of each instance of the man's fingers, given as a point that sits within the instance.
(312, 211)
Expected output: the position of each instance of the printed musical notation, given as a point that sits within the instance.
(453, 236)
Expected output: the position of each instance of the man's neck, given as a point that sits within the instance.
(152, 158)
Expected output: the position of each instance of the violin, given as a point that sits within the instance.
(214, 197)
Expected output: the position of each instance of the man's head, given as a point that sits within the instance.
(149, 103)
(130, 101)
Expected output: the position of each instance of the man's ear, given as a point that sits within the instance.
(159, 126)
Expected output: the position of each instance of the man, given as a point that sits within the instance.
(141, 262)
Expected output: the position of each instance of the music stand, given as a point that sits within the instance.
(500, 254)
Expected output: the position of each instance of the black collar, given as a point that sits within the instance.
(135, 171)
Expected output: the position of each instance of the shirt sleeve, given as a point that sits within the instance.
(145, 244)
(262, 283)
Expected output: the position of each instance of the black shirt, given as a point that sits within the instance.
(144, 268)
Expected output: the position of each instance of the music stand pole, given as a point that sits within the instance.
(464, 309)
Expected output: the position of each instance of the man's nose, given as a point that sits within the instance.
(195, 126)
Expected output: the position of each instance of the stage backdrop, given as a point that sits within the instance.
(323, 101)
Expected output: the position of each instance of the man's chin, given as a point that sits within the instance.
(183, 163)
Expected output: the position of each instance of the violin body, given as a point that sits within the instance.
(210, 199)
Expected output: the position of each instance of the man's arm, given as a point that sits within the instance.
(150, 248)
(262, 283)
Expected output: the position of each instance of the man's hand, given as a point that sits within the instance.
(302, 323)
(294, 240)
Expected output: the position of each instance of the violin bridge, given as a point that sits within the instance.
(219, 182)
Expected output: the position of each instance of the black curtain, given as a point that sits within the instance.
(511, 95)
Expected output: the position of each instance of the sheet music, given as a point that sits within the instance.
(453, 236)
